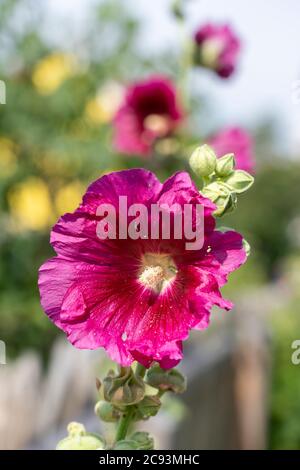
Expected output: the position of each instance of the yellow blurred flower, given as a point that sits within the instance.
(30, 205)
(69, 197)
(52, 71)
(102, 108)
(55, 163)
(8, 157)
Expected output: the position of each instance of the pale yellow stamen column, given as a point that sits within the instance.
(157, 271)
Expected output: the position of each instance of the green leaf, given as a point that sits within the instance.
(240, 181)
(126, 444)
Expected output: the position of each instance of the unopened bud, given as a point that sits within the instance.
(143, 440)
(203, 161)
(106, 412)
(225, 165)
(126, 444)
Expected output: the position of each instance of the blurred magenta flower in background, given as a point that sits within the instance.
(151, 110)
(217, 48)
(238, 141)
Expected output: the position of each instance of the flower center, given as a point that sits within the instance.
(210, 52)
(157, 271)
(157, 124)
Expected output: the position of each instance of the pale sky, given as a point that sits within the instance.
(268, 81)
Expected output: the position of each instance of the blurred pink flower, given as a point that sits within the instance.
(218, 48)
(150, 111)
(136, 298)
(238, 141)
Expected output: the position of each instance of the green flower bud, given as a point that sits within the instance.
(126, 444)
(148, 407)
(79, 439)
(231, 204)
(221, 194)
(239, 181)
(225, 165)
(123, 389)
(166, 380)
(106, 412)
(203, 161)
(143, 440)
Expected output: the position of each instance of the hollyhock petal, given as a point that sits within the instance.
(75, 235)
(150, 111)
(168, 358)
(155, 95)
(128, 132)
(52, 289)
(226, 45)
(97, 308)
(225, 256)
(138, 185)
(168, 363)
(180, 189)
(137, 298)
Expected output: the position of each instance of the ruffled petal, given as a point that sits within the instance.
(225, 254)
(168, 357)
(138, 185)
(128, 134)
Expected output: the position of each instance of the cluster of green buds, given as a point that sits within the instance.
(221, 182)
(125, 397)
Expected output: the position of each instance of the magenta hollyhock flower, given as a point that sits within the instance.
(150, 111)
(218, 48)
(238, 141)
(140, 298)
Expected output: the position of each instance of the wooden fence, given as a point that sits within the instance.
(228, 370)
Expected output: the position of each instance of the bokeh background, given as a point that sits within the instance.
(65, 66)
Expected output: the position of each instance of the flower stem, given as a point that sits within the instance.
(185, 61)
(124, 424)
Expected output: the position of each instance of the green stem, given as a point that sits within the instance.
(206, 180)
(124, 424)
(185, 63)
